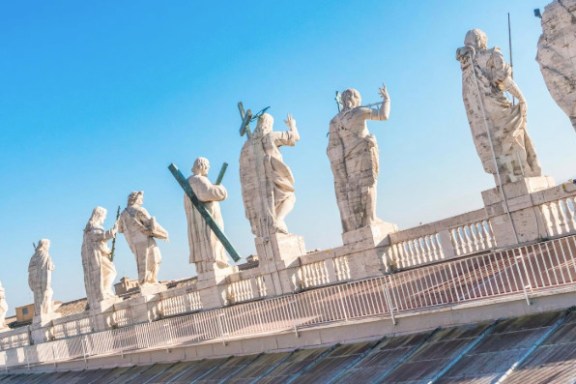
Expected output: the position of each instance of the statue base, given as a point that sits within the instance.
(277, 253)
(279, 248)
(514, 216)
(207, 285)
(149, 289)
(370, 236)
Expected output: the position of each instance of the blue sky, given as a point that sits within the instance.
(98, 98)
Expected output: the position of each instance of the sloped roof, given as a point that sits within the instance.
(542, 346)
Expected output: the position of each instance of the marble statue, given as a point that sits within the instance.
(498, 126)
(205, 248)
(99, 271)
(40, 281)
(557, 54)
(353, 154)
(140, 229)
(267, 182)
(3, 307)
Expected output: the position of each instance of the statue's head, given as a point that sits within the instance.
(265, 124)
(201, 166)
(476, 38)
(351, 98)
(43, 245)
(98, 215)
(136, 197)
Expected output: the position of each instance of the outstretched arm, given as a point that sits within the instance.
(383, 112)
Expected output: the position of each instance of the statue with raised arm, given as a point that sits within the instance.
(353, 154)
(498, 126)
(3, 307)
(40, 281)
(205, 248)
(267, 182)
(99, 271)
(556, 48)
(140, 230)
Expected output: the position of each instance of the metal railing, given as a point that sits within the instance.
(515, 273)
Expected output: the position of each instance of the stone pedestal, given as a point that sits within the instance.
(151, 289)
(276, 253)
(212, 295)
(102, 313)
(370, 236)
(527, 220)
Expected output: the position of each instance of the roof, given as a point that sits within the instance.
(542, 346)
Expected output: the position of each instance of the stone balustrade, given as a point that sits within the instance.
(457, 236)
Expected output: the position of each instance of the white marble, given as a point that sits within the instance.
(557, 54)
(140, 230)
(353, 154)
(3, 307)
(498, 126)
(99, 270)
(206, 251)
(40, 282)
(267, 182)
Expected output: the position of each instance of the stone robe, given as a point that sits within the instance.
(140, 228)
(557, 54)
(3, 307)
(485, 78)
(40, 282)
(205, 248)
(353, 154)
(99, 271)
(267, 182)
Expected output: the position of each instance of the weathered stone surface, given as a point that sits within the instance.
(99, 270)
(557, 54)
(206, 251)
(40, 282)
(3, 307)
(267, 182)
(140, 229)
(498, 126)
(353, 154)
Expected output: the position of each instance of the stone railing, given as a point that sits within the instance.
(558, 208)
(517, 274)
(244, 286)
(457, 236)
(15, 338)
(73, 325)
(321, 268)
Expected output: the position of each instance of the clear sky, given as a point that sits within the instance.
(98, 98)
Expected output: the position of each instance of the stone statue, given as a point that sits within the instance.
(485, 78)
(556, 49)
(3, 307)
(140, 229)
(353, 154)
(40, 281)
(205, 248)
(99, 271)
(267, 182)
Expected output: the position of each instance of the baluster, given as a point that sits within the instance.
(557, 218)
(571, 214)
(481, 238)
(435, 246)
(462, 240)
(475, 237)
(565, 214)
(456, 241)
(545, 208)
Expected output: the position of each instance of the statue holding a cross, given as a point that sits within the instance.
(206, 250)
(267, 182)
